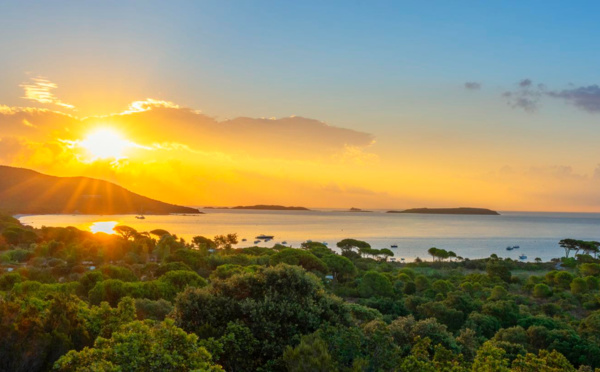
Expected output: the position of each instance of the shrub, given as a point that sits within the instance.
(541, 290)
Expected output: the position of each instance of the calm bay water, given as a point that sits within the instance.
(537, 234)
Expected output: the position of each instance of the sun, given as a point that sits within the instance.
(105, 144)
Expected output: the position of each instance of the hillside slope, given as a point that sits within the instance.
(25, 191)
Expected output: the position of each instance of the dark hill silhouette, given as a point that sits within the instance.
(25, 191)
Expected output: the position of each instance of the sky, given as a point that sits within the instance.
(321, 104)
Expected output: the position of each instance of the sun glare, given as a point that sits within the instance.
(105, 144)
(103, 226)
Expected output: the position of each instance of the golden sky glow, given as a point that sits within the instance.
(180, 155)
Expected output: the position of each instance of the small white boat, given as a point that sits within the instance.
(140, 217)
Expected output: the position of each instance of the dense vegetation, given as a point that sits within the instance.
(76, 301)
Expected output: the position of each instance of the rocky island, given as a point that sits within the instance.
(356, 210)
(472, 211)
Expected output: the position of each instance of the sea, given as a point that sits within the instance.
(469, 236)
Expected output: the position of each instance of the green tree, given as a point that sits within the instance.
(545, 361)
(203, 244)
(347, 245)
(341, 267)
(386, 253)
(159, 233)
(499, 269)
(226, 271)
(17, 235)
(541, 290)
(312, 354)
(490, 358)
(140, 346)
(442, 286)
(589, 269)
(578, 286)
(125, 232)
(498, 293)
(421, 283)
(299, 257)
(225, 241)
(318, 249)
(277, 304)
(434, 252)
(569, 245)
(374, 283)
(180, 279)
(563, 279)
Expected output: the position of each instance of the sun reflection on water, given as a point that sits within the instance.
(103, 226)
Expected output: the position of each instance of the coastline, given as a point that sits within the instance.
(469, 236)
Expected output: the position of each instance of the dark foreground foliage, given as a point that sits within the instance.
(74, 301)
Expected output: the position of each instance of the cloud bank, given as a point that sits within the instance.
(528, 96)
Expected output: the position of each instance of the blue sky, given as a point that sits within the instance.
(293, 54)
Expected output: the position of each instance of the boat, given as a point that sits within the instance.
(509, 248)
(325, 244)
(516, 247)
(265, 237)
(522, 257)
(394, 246)
(140, 217)
(284, 242)
(243, 240)
(256, 241)
(402, 259)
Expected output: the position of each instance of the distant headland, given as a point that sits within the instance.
(264, 207)
(477, 211)
(24, 191)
